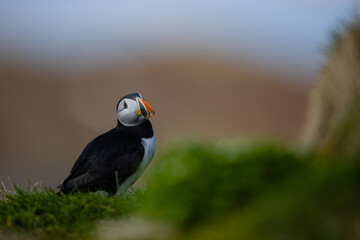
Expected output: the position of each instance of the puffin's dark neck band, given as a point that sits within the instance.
(143, 130)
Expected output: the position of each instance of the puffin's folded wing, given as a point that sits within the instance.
(81, 181)
(100, 175)
(109, 153)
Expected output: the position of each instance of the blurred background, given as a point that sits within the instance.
(214, 69)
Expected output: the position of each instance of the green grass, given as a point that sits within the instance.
(44, 214)
(210, 191)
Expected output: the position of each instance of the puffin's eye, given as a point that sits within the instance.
(125, 105)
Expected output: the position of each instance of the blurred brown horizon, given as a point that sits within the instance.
(49, 117)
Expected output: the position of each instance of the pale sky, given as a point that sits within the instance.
(98, 30)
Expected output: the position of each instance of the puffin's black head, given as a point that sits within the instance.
(133, 110)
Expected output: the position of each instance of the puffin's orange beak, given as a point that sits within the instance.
(148, 109)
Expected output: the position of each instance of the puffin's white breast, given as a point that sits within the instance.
(149, 145)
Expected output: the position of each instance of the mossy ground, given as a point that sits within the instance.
(209, 191)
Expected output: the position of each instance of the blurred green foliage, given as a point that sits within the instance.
(262, 192)
(197, 181)
(212, 191)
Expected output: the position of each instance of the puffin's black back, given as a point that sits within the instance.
(118, 150)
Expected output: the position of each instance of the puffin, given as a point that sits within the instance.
(113, 161)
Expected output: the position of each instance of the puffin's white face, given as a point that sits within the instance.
(133, 110)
